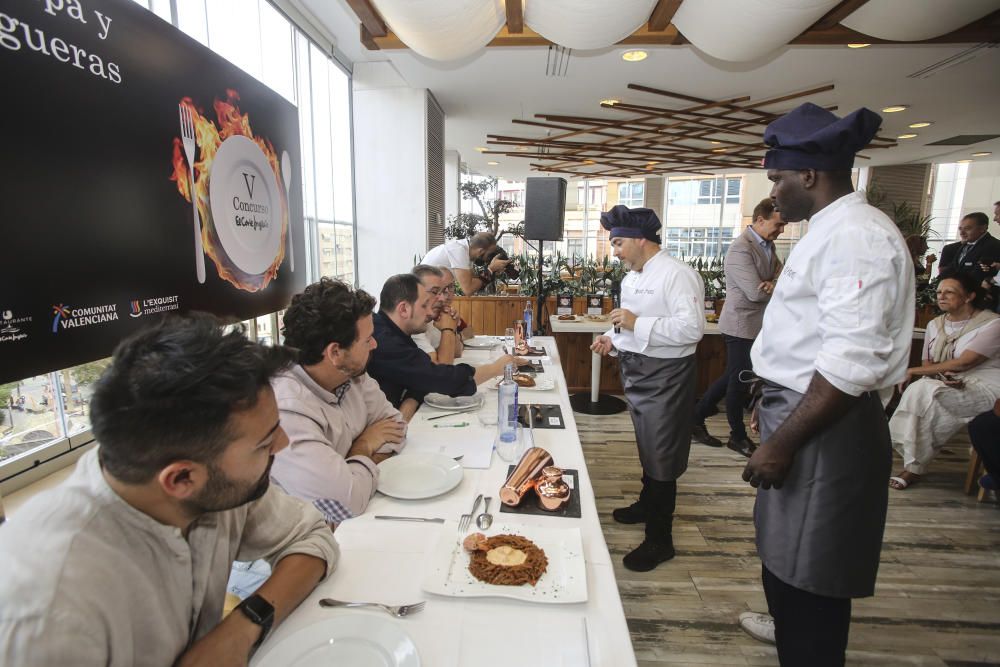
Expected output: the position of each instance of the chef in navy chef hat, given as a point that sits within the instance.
(631, 223)
(810, 137)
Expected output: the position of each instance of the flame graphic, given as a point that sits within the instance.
(209, 137)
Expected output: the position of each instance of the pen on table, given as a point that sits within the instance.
(458, 425)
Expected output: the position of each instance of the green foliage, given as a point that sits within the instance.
(5, 392)
(90, 373)
(464, 225)
(575, 275)
(713, 274)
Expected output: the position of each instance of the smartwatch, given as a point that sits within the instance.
(259, 611)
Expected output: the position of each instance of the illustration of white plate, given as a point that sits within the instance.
(246, 205)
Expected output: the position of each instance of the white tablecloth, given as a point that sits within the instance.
(382, 561)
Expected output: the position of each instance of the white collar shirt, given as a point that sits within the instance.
(767, 246)
(322, 427)
(667, 297)
(843, 306)
(90, 580)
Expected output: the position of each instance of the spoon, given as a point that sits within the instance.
(485, 520)
(286, 172)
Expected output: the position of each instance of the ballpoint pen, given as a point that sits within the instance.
(458, 425)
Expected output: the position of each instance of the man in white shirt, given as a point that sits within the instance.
(837, 330)
(656, 331)
(459, 255)
(338, 421)
(441, 339)
(126, 562)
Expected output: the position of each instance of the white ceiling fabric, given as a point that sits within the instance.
(913, 20)
(742, 30)
(444, 29)
(586, 24)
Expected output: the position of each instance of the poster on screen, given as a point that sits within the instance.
(142, 175)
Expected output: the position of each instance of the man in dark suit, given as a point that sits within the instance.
(976, 246)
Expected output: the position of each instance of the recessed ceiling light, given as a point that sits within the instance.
(857, 46)
(909, 135)
(962, 161)
(923, 123)
(588, 162)
(650, 164)
(523, 148)
(634, 56)
(482, 149)
(718, 150)
(610, 101)
(982, 154)
(492, 163)
(895, 108)
(714, 142)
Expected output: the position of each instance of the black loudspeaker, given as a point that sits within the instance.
(544, 208)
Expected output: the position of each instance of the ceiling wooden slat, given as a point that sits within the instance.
(370, 18)
(515, 17)
(838, 14)
(662, 14)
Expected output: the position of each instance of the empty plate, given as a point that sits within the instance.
(481, 343)
(443, 402)
(416, 476)
(358, 640)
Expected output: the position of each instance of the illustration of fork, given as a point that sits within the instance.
(187, 135)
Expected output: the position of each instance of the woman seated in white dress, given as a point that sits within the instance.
(959, 377)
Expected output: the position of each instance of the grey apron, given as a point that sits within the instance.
(660, 395)
(822, 530)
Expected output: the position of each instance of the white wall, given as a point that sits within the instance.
(390, 136)
(452, 181)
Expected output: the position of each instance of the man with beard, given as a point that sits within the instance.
(402, 369)
(656, 331)
(125, 563)
(837, 330)
(338, 421)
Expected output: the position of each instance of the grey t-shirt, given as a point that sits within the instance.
(87, 579)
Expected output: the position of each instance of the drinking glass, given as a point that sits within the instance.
(508, 339)
(513, 450)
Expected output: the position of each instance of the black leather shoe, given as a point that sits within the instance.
(634, 513)
(700, 434)
(648, 555)
(742, 445)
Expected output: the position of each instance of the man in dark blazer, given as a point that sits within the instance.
(976, 246)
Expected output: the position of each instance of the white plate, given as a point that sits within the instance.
(246, 206)
(355, 639)
(541, 384)
(446, 566)
(443, 402)
(415, 476)
(481, 343)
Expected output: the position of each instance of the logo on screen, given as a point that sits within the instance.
(68, 318)
(10, 330)
(160, 304)
(135, 306)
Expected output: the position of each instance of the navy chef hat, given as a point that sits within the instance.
(631, 223)
(810, 137)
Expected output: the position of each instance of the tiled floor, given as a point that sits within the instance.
(938, 594)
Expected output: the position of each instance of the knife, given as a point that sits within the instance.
(407, 518)
(455, 412)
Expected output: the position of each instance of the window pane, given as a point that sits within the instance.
(322, 140)
(277, 55)
(192, 19)
(162, 9)
(78, 386)
(30, 415)
(340, 117)
(264, 333)
(234, 33)
(345, 253)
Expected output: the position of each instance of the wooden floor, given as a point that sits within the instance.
(938, 594)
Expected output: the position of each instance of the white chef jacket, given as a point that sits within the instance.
(843, 306)
(667, 297)
(454, 254)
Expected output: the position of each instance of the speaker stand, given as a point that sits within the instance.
(604, 405)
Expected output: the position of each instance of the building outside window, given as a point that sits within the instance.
(632, 193)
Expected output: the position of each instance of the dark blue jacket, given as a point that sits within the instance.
(403, 370)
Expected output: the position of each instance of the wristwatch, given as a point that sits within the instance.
(259, 611)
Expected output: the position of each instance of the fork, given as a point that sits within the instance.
(187, 136)
(466, 519)
(399, 611)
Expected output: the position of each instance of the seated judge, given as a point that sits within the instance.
(338, 421)
(401, 368)
(125, 563)
(442, 339)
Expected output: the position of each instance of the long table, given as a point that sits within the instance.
(383, 561)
